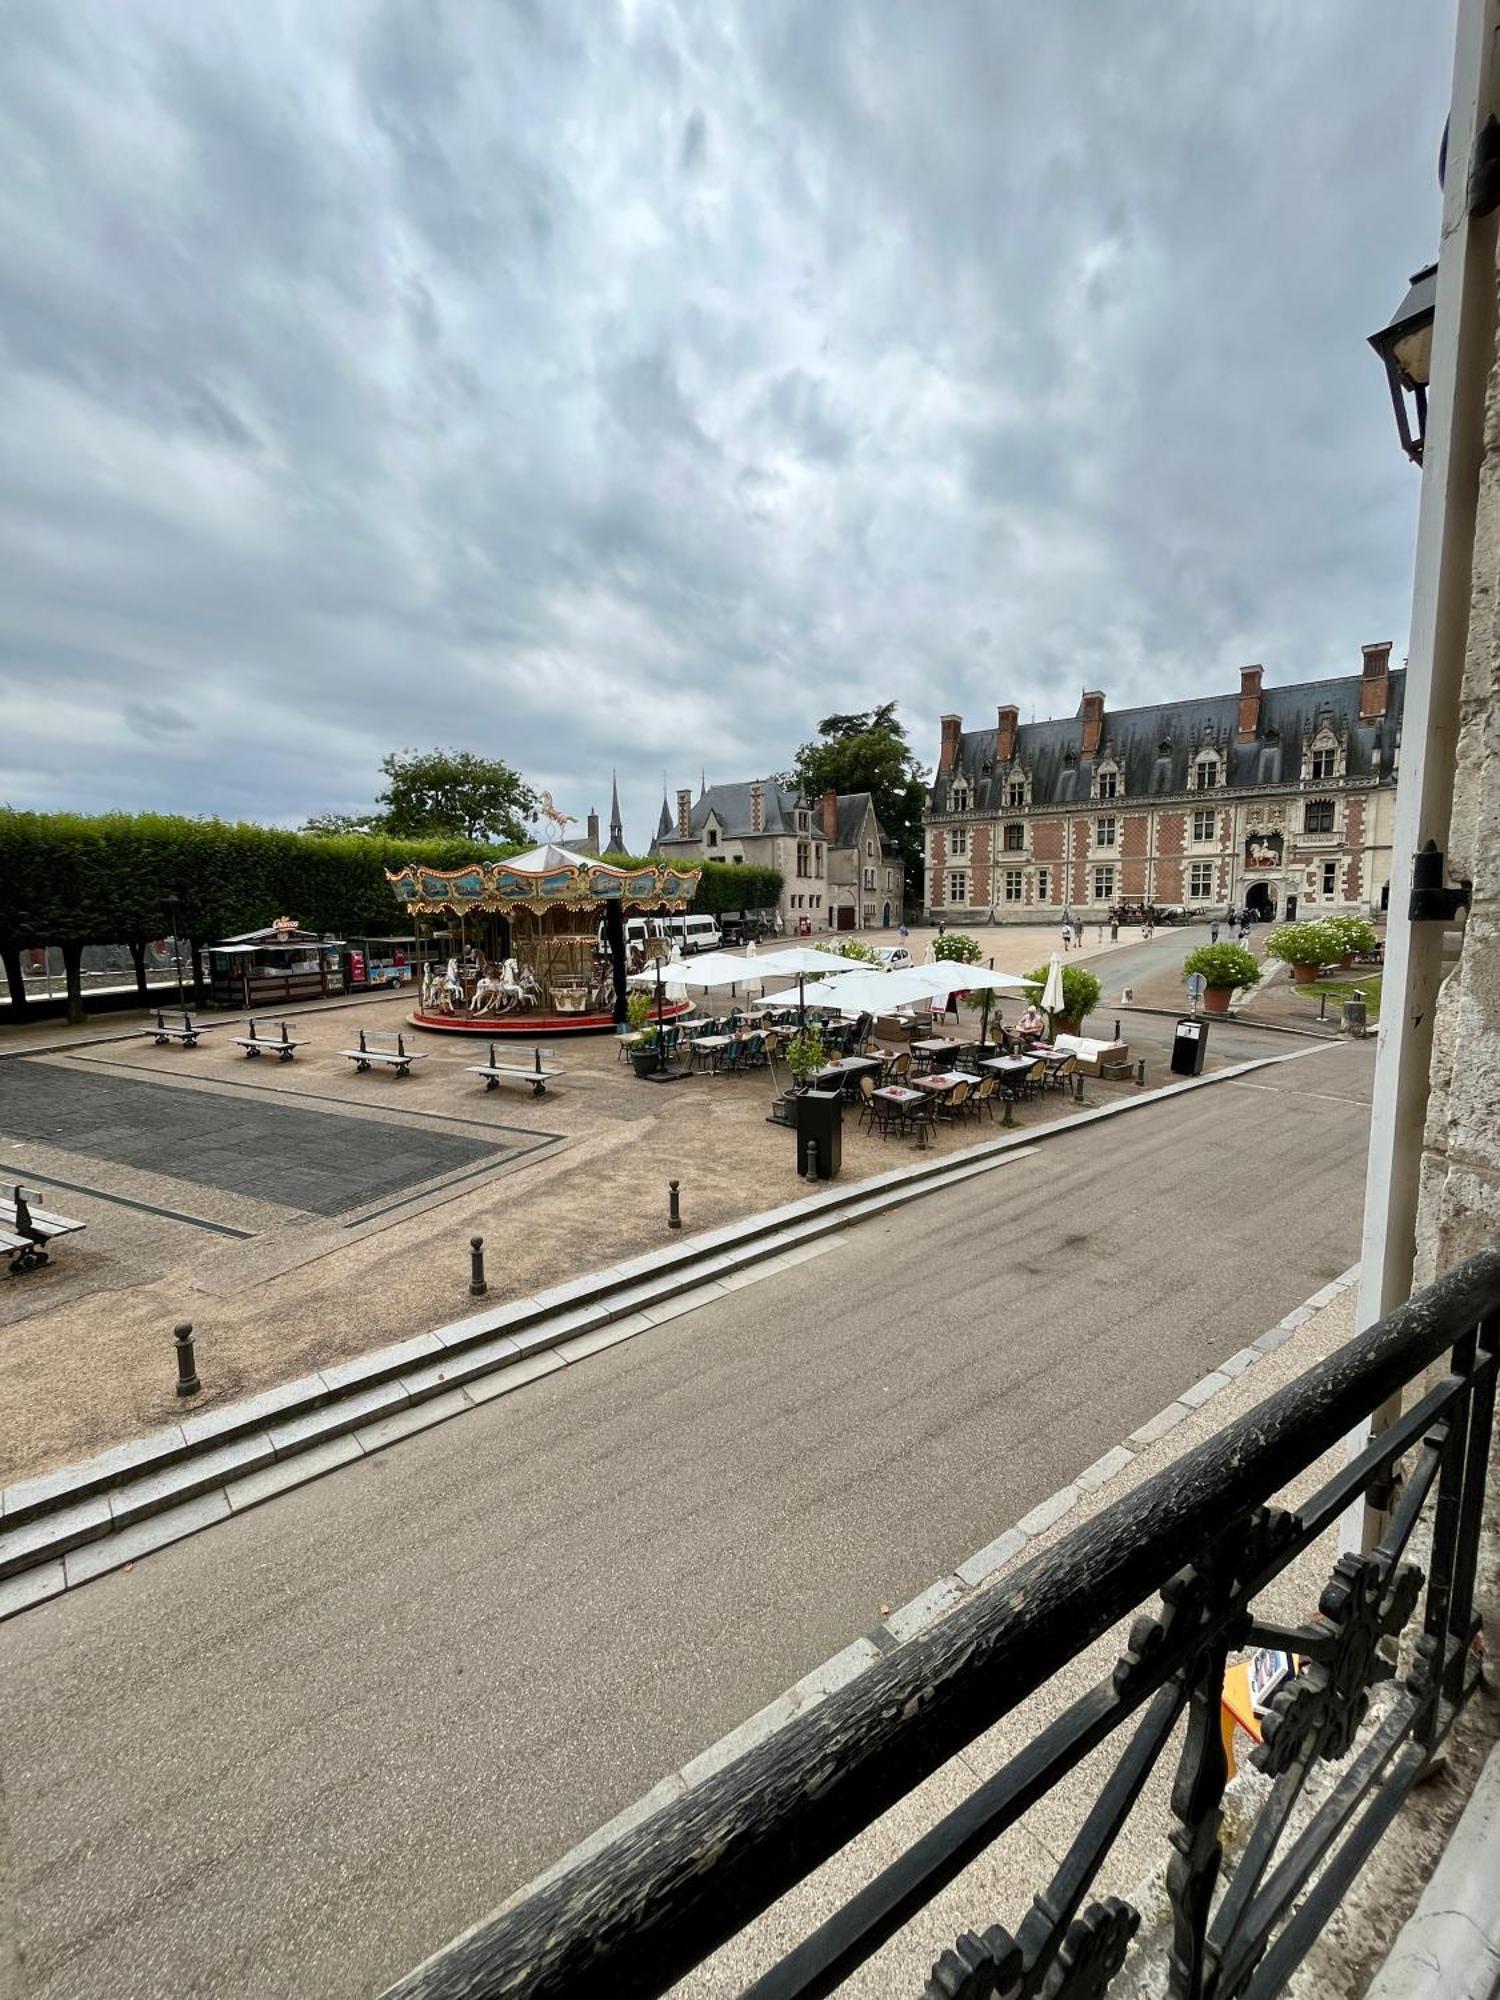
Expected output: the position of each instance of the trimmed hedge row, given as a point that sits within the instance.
(73, 879)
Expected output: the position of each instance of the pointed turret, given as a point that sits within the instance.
(616, 827)
(664, 824)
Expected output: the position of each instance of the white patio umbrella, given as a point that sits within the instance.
(753, 984)
(865, 992)
(947, 976)
(1052, 1001)
(796, 961)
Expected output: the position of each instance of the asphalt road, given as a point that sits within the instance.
(296, 1753)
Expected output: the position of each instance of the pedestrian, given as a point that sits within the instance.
(1078, 933)
(1114, 930)
(902, 932)
(1233, 919)
(1067, 934)
(942, 926)
(1244, 931)
(1101, 933)
(1213, 932)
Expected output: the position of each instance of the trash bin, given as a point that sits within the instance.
(1355, 1021)
(1189, 1047)
(820, 1118)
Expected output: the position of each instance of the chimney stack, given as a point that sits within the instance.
(830, 817)
(1249, 722)
(594, 832)
(685, 815)
(757, 805)
(953, 728)
(1005, 735)
(1375, 685)
(1092, 712)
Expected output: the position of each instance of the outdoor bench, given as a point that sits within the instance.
(256, 1044)
(389, 1051)
(535, 1073)
(25, 1231)
(162, 1033)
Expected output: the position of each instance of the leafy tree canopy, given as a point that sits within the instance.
(445, 794)
(868, 752)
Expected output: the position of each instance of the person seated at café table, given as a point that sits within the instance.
(1032, 1024)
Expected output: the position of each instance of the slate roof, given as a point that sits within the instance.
(730, 805)
(852, 809)
(1154, 747)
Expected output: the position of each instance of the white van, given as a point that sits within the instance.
(692, 933)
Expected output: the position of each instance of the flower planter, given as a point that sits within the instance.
(1346, 963)
(1216, 999)
(1304, 975)
(643, 1061)
(1066, 1025)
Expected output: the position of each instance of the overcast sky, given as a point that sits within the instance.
(594, 382)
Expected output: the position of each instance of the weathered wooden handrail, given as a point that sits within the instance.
(634, 1917)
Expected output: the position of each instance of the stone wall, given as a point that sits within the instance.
(1460, 1194)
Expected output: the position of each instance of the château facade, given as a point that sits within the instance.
(1279, 799)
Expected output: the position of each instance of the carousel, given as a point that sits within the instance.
(535, 945)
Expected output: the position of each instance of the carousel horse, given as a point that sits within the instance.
(452, 996)
(488, 991)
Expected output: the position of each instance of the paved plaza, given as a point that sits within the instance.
(299, 1214)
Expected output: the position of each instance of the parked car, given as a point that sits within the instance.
(891, 957)
(750, 929)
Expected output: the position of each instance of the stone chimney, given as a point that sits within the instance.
(594, 832)
(953, 728)
(830, 817)
(757, 805)
(1375, 686)
(685, 815)
(1091, 710)
(1249, 722)
(1005, 735)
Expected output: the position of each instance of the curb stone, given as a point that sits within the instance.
(370, 1390)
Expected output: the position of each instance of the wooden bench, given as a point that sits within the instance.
(534, 1073)
(26, 1231)
(389, 1051)
(256, 1044)
(187, 1034)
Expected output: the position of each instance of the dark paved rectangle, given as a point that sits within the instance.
(317, 1161)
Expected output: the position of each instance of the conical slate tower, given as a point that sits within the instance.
(616, 829)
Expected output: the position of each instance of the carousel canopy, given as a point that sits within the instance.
(545, 878)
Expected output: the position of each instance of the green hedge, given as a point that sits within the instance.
(733, 885)
(68, 878)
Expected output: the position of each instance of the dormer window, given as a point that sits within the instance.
(958, 799)
(711, 837)
(1205, 773)
(1107, 782)
(804, 822)
(1015, 792)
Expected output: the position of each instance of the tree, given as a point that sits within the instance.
(453, 792)
(868, 752)
(333, 822)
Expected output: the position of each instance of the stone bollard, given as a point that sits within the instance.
(187, 1366)
(477, 1285)
(674, 1206)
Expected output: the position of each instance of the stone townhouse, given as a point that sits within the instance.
(1282, 799)
(835, 871)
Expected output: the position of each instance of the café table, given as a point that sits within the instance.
(844, 1070)
(902, 1102)
(712, 1047)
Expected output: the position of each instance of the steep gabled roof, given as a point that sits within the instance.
(730, 806)
(1154, 747)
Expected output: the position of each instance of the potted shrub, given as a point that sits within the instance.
(959, 946)
(1224, 966)
(1306, 948)
(1081, 992)
(1355, 936)
(804, 1054)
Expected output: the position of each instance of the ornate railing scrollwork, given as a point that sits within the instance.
(1207, 1536)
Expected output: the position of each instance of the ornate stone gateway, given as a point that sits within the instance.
(535, 945)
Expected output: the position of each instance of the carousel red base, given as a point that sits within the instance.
(527, 1027)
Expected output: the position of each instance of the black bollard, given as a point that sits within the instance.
(812, 1161)
(1140, 1069)
(1117, 1031)
(674, 1208)
(477, 1285)
(187, 1367)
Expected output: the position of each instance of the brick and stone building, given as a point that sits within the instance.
(1281, 799)
(835, 869)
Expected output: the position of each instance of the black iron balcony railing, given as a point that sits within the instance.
(1204, 1533)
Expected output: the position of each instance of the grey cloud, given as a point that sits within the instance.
(633, 386)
